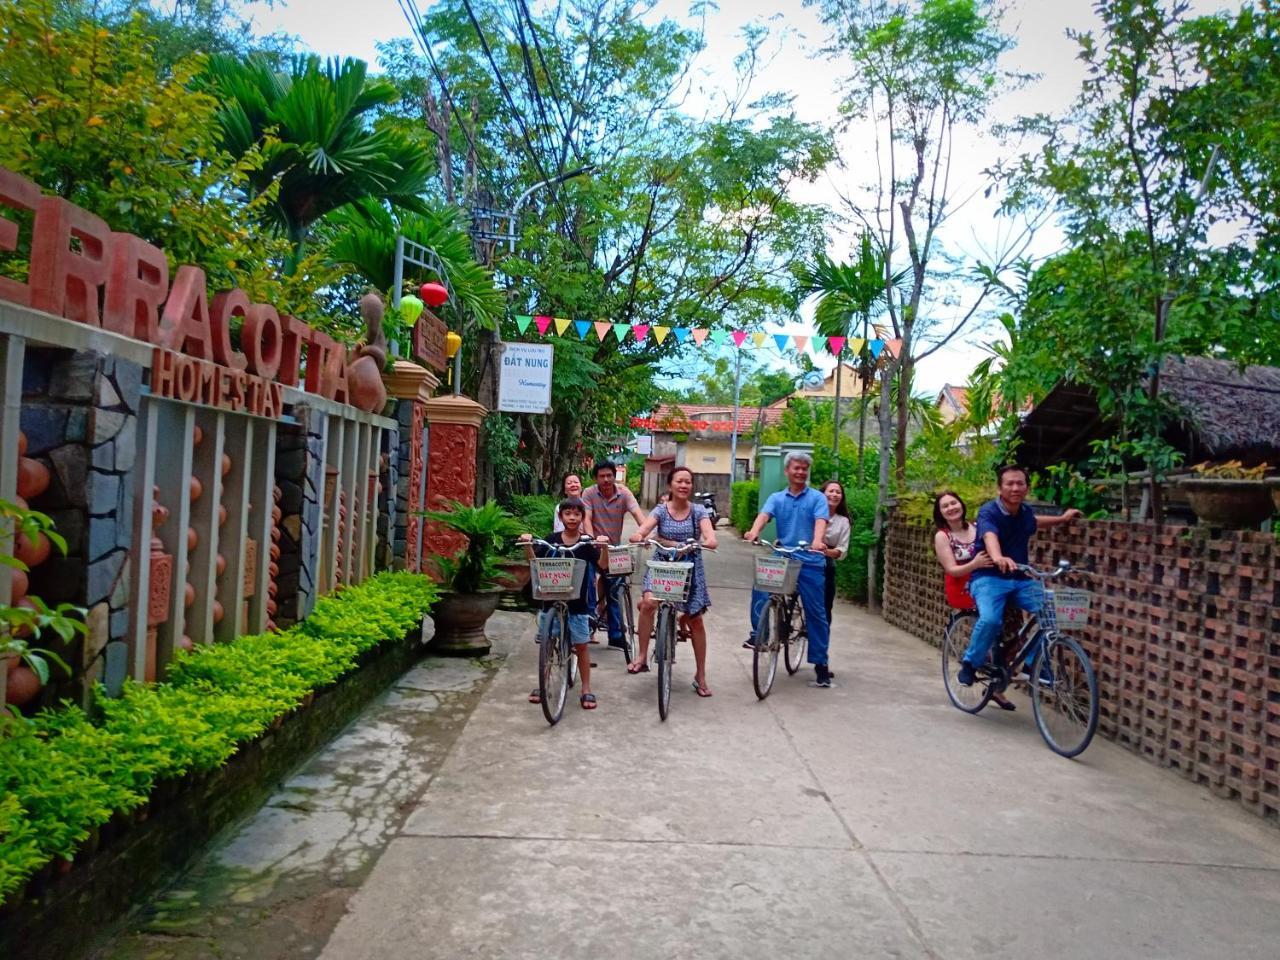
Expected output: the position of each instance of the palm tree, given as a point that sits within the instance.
(848, 292)
(309, 134)
(363, 237)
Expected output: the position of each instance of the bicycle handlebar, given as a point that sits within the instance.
(1064, 566)
(680, 550)
(801, 547)
(558, 547)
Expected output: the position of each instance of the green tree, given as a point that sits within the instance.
(311, 127)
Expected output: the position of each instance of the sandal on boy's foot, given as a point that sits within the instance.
(588, 701)
(536, 696)
(701, 689)
(1004, 704)
(637, 667)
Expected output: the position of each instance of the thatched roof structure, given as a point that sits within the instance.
(1227, 414)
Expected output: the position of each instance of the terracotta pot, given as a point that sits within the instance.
(197, 435)
(33, 478)
(192, 539)
(22, 687)
(188, 594)
(32, 552)
(459, 620)
(1231, 503)
(184, 643)
(21, 584)
(159, 514)
(195, 488)
(365, 390)
(12, 663)
(218, 612)
(515, 575)
(226, 464)
(222, 515)
(220, 564)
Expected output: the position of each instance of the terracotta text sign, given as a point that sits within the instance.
(428, 341)
(81, 270)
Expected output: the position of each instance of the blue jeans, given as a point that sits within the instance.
(991, 594)
(613, 609)
(811, 585)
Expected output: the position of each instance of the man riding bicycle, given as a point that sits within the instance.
(1005, 529)
(609, 505)
(800, 513)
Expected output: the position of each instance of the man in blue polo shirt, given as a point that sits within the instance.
(1005, 528)
(800, 513)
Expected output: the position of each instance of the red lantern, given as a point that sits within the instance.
(433, 294)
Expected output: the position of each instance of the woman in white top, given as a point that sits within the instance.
(572, 487)
(835, 543)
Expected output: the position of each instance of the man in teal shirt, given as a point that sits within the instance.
(800, 513)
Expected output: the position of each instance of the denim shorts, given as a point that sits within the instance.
(579, 626)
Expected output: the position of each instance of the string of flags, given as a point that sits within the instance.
(641, 332)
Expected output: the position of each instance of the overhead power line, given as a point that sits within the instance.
(551, 81)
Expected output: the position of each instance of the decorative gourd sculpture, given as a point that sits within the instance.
(364, 374)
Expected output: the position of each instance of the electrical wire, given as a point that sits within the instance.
(551, 82)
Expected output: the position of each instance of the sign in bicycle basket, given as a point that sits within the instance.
(557, 578)
(669, 580)
(776, 574)
(1070, 606)
(622, 560)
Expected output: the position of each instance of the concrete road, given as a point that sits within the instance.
(868, 820)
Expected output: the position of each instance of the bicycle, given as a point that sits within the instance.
(556, 578)
(617, 589)
(1061, 679)
(669, 582)
(777, 575)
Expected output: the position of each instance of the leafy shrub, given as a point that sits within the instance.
(744, 503)
(62, 775)
(489, 531)
(535, 512)
(851, 572)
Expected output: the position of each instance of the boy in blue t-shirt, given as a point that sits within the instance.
(572, 513)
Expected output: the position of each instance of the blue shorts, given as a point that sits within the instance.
(579, 626)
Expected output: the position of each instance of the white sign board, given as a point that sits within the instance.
(525, 383)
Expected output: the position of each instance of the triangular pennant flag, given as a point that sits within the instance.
(700, 334)
(720, 336)
(856, 344)
(660, 333)
(801, 342)
(819, 344)
(602, 329)
(738, 337)
(543, 323)
(876, 347)
(781, 340)
(561, 326)
(894, 347)
(759, 338)
(836, 344)
(641, 330)
(620, 330)
(582, 326)
(682, 334)
(522, 321)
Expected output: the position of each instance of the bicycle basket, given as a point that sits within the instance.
(776, 574)
(557, 578)
(1066, 608)
(670, 580)
(622, 560)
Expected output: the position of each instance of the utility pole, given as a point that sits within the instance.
(737, 397)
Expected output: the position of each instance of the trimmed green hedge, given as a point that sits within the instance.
(744, 503)
(62, 775)
(851, 572)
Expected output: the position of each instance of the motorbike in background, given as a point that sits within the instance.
(707, 500)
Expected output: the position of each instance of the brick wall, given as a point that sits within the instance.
(1184, 632)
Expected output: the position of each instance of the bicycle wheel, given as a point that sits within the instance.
(554, 654)
(665, 651)
(797, 635)
(628, 622)
(1064, 695)
(764, 659)
(955, 641)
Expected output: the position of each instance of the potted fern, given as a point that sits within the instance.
(470, 578)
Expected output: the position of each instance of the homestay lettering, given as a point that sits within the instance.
(81, 270)
(178, 377)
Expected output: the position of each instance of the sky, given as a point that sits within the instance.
(799, 69)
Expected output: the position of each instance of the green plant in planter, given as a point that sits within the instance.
(487, 529)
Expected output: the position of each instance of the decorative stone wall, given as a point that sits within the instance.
(300, 476)
(388, 521)
(1184, 633)
(451, 465)
(79, 414)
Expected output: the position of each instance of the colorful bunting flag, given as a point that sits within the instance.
(620, 331)
(522, 321)
(893, 346)
(856, 344)
(562, 325)
(602, 329)
(719, 336)
(641, 331)
(801, 343)
(582, 326)
(835, 344)
(819, 344)
(759, 338)
(781, 340)
(738, 337)
(543, 323)
(700, 334)
(660, 333)
(876, 347)
(682, 334)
